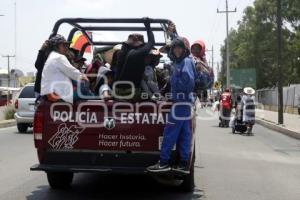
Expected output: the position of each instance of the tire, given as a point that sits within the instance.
(188, 183)
(60, 180)
(22, 128)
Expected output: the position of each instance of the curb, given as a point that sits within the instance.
(8, 123)
(279, 128)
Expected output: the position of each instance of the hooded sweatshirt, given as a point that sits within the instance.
(183, 75)
(201, 55)
(206, 79)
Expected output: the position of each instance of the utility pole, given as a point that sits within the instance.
(212, 60)
(15, 23)
(212, 55)
(227, 43)
(279, 55)
(8, 74)
(8, 67)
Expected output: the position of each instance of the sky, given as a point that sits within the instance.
(194, 19)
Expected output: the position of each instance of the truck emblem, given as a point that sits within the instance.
(109, 123)
(65, 137)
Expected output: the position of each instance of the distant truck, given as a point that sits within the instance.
(108, 137)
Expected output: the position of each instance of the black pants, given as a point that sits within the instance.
(225, 115)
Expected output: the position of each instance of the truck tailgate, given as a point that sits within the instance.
(105, 126)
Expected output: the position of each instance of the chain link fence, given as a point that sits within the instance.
(269, 98)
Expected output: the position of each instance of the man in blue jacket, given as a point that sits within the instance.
(178, 128)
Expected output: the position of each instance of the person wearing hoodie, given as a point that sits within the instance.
(205, 73)
(178, 130)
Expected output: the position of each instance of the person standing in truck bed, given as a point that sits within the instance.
(178, 130)
(58, 72)
(149, 83)
(131, 61)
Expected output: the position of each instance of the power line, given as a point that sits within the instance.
(227, 43)
(212, 32)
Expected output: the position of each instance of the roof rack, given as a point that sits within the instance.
(80, 24)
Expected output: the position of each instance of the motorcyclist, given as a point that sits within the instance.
(225, 107)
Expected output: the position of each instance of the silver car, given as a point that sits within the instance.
(25, 106)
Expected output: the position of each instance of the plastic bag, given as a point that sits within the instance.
(231, 122)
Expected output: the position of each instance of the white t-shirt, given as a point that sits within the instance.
(57, 75)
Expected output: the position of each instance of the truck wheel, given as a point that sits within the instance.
(60, 180)
(188, 183)
(22, 128)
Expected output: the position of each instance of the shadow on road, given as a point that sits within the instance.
(29, 132)
(94, 186)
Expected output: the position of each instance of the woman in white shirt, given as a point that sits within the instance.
(57, 74)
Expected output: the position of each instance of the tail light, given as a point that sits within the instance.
(16, 104)
(38, 128)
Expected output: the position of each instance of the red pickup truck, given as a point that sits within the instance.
(109, 137)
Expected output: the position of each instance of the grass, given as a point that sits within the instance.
(9, 112)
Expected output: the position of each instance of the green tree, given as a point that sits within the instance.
(254, 43)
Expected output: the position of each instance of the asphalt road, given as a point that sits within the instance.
(228, 167)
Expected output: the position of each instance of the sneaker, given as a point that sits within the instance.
(159, 167)
(182, 168)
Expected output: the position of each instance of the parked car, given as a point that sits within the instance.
(24, 105)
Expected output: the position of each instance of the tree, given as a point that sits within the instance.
(254, 43)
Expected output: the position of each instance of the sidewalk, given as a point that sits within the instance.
(7, 123)
(269, 119)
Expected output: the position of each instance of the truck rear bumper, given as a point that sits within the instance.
(95, 161)
(96, 169)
